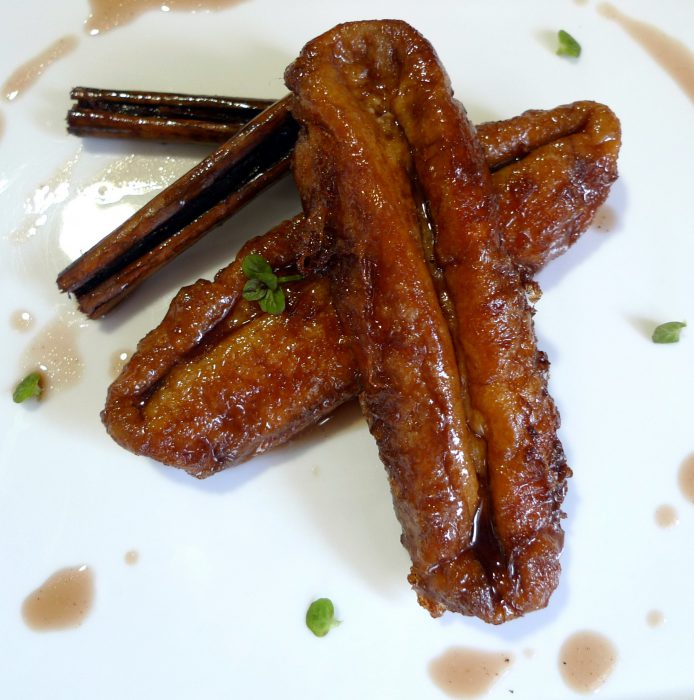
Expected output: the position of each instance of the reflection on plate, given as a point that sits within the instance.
(200, 588)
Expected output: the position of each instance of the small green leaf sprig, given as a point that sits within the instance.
(668, 332)
(28, 388)
(568, 46)
(320, 617)
(263, 284)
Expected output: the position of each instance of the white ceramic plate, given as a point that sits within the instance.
(214, 608)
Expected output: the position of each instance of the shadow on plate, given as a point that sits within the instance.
(333, 471)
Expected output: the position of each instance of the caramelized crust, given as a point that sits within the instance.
(353, 170)
(381, 136)
(422, 308)
(568, 160)
(215, 382)
(505, 374)
(203, 439)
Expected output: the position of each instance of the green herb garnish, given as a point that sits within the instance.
(320, 617)
(568, 46)
(263, 284)
(28, 388)
(668, 332)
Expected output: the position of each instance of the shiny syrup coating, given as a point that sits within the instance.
(523, 478)
(210, 387)
(380, 133)
(559, 165)
(134, 413)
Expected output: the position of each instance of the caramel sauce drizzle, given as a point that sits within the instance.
(671, 54)
(28, 73)
(106, 15)
(61, 602)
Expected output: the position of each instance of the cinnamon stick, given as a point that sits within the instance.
(182, 213)
(162, 116)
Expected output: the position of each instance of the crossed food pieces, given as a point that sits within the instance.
(417, 242)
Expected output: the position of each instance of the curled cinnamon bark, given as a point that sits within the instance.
(161, 116)
(454, 389)
(182, 213)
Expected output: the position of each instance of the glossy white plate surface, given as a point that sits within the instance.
(215, 606)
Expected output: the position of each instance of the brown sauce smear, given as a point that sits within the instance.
(605, 219)
(655, 618)
(63, 601)
(110, 14)
(21, 320)
(468, 673)
(666, 516)
(586, 660)
(686, 478)
(118, 360)
(671, 54)
(28, 73)
(54, 352)
(132, 557)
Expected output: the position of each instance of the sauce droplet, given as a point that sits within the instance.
(468, 673)
(686, 478)
(132, 557)
(671, 54)
(655, 618)
(118, 360)
(605, 219)
(54, 352)
(109, 14)
(28, 73)
(21, 321)
(63, 601)
(586, 660)
(666, 516)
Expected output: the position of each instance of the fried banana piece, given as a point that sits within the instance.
(353, 171)
(568, 161)
(524, 479)
(215, 382)
(355, 176)
(367, 95)
(142, 421)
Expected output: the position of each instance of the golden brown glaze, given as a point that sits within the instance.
(504, 372)
(440, 350)
(354, 174)
(568, 160)
(211, 386)
(141, 410)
